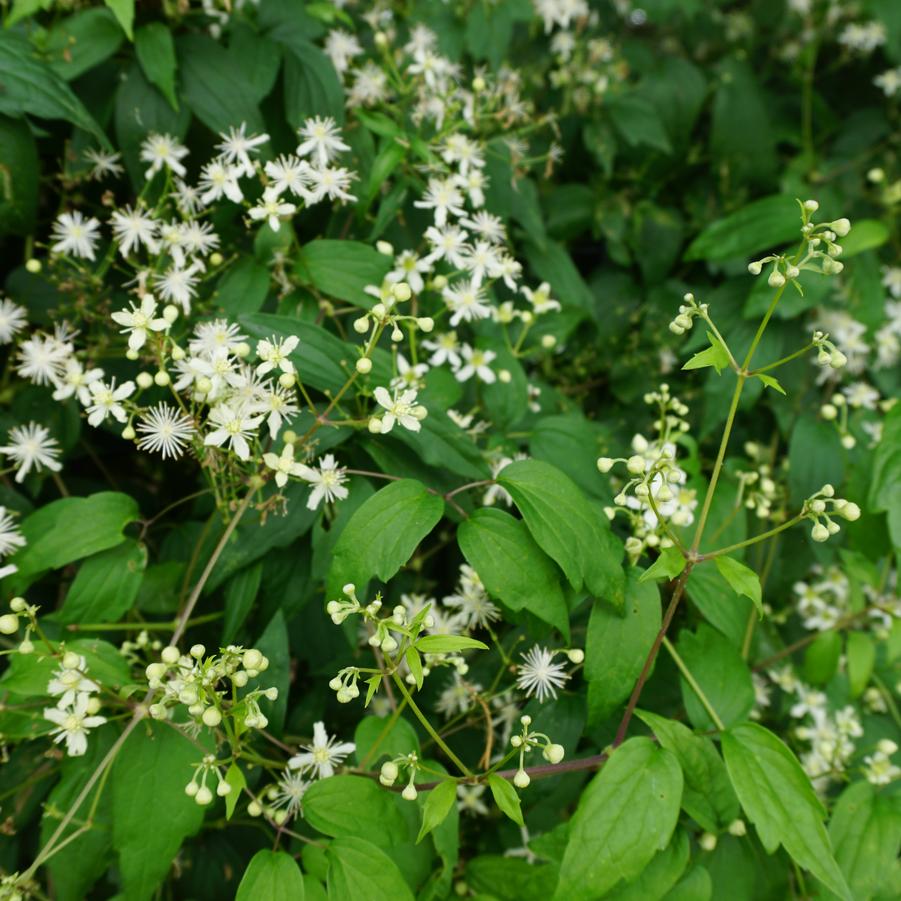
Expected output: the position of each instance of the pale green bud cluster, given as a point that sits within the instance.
(11, 622)
(197, 788)
(822, 507)
(390, 771)
(527, 741)
(687, 313)
(828, 354)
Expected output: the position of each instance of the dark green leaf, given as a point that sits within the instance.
(861, 654)
(506, 798)
(667, 566)
(512, 566)
(780, 801)
(438, 804)
(312, 87)
(80, 42)
(124, 11)
(448, 644)
(273, 875)
(358, 869)
(626, 814)
(354, 806)
(156, 54)
(743, 579)
(342, 269)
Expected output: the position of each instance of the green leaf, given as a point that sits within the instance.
(716, 356)
(354, 806)
(821, 658)
(718, 603)
(342, 269)
(240, 593)
(243, 288)
(312, 87)
(234, 776)
(106, 585)
(770, 382)
(865, 234)
(815, 457)
(636, 119)
(512, 566)
(865, 831)
(759, 226)
(510, 878)
(617, 645)
(667, 566)
(626, 814)
(569, 528)
(886, 469)
(358, 869)
(861, 654)
(414, 663)
(152, 815)
(71, 528)
(214, 88)
(659, 876)
(780, 801)
(383, 534)
(124, 11)
(708, 797)
(273, 875)
(376, 738)
(445, 446)
(20, 171)
(32, 87)
(722, 674)
(742, 579)
(273, 643)
(438, 804)
(80, 42)
(448, 644)
(506, 798)
(155, 51)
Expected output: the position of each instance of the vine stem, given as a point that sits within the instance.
(690, 679)
(428, 726)
(652, 654)
(140, 710)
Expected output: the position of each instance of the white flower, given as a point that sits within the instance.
(810, 702)
(469, 800)
(322, 138)
(539, 674)
(540, 299)
(476, 364)
(331, 182)
(323, 754)
(11, 539)
(76, 381)
(861, 395)
(483, 259)
(233, 427)
(73, 724)
(166, 430)
(137, 321)
(463, 151)
(41, 359)
(31, 445)
(408, 375)
(489, 226)
(327, 480)
(289, 792)
(217, 180)
(103, 163)
(409, 268)
(400, 408)
(466, 301)
(163, 150)
(278, 406)
(178, 285)
(12, 320)
(288, 173)
(444, 349)
(198, 237)
(442, 196)
(341, 47)
(271, 208)
(275, 352)
(212, 335)
(457, 697)
(70, 680)
(472, 600)
(236, 148)
(283, 465)
(448, 243)
(105, 401)
(891, 280)
(132, 228)
(370, 86)
(889, 81)
(76, 235)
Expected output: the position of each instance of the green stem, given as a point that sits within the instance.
(755, 540)
(399, 682)
(788, 359)
(690, 679)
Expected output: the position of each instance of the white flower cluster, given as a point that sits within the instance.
(863, 37)
(818, 508)
(760, 488)
(657, 489)
(560, 13)
(76, 712)
(206, 686)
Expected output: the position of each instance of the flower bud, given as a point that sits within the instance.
(223, 789)
(553, 753)
(384, 248)
(388, 773)
(363, 365)
(33, 266)
(170, 313)
(828, 412)
(128, 433)
(837, 360)
(478, 84)
(287, 380)
(636, 464)
(379, 310)
(9, 623)
(409, 793)
(811, 206)
(605, 464)
(576, 655)
(851, 511)
(216, 259)
(819, 532)
(521, 779)
(93, 706)
(204, 796)
(548, 341)
(162, 378)
(505, 376)
(841, 227)
(776, 279)
(426, 323)
(18, 605)
(755, 268)
(131, 354)
(170, 655)
(848, 441)
(26, 647)
(211, 717)
(252, 659)
(197, 651)
(707, 841)
(361, 325)
(401, 291)
(144, 379)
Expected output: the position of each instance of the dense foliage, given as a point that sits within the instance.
(450, 449)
